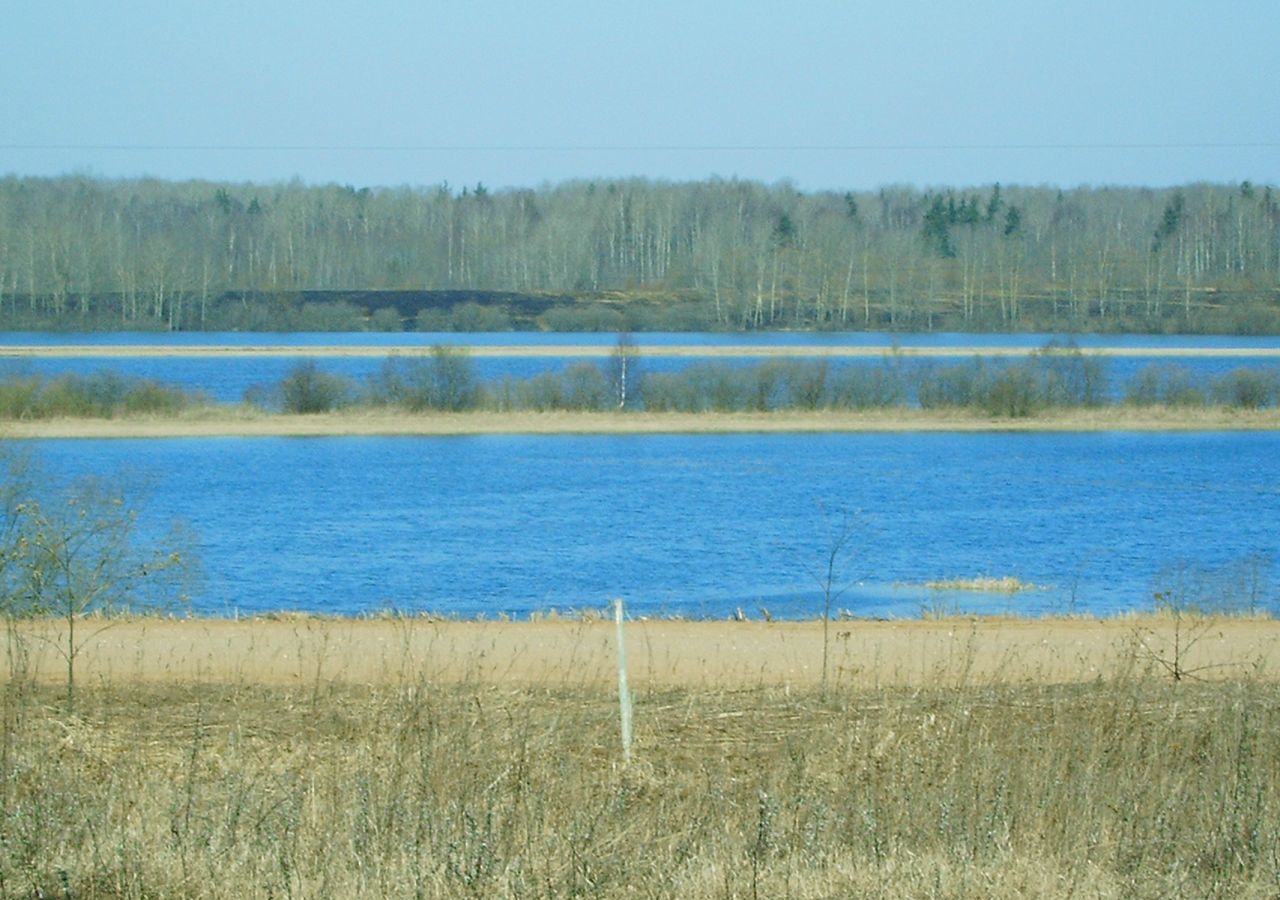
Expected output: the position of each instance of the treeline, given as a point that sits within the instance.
(78, 252)
(1055, 378)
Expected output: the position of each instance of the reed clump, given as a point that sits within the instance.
(1006, 584)
(1126, 786)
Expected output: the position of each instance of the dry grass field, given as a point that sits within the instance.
(580, 651)
(305, 757)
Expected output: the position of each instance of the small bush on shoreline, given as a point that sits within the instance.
(102, 395)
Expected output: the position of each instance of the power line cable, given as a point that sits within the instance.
(624, 148)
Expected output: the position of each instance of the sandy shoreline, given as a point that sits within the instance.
(661, 653)
(745, 350)
(242, 422)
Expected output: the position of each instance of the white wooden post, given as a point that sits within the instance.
(624, 695)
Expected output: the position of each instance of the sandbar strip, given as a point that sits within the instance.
(239, 422)
(588, 351)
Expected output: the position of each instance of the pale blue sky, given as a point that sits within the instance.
(826, 94)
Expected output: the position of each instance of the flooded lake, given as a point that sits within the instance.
(705, 525)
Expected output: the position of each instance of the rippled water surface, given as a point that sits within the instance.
(698, 525)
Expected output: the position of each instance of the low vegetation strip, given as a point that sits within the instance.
(598, 351)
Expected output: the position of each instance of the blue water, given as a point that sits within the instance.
(698, 525)
(227, 379)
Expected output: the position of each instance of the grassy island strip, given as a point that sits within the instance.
(310, 757)
(438, 390)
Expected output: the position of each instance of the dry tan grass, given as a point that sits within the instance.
(241, 421)
(301, 650)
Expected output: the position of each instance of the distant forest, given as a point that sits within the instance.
(84, 253)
